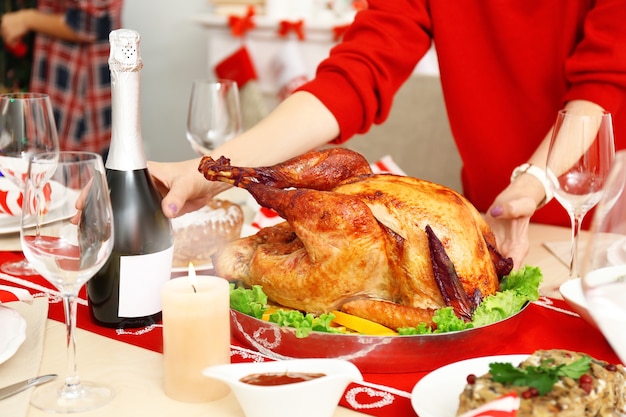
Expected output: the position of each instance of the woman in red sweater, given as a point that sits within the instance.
(506, 68)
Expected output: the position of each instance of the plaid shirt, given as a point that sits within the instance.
(76, 75)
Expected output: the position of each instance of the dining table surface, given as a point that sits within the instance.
(136, 373)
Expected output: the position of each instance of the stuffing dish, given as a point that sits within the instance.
(552, 382)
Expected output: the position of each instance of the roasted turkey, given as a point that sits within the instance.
(388, 248)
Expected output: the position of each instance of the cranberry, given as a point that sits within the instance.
(586, 386)
(611, 367)
(471, 379)
(530, 393)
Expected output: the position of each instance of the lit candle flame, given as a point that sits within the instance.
(192, 277)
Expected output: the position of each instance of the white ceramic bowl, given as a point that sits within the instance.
(572, 292)
(313, 398)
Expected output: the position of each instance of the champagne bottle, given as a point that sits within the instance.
(126, 292)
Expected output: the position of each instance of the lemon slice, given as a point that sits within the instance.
(361, 325)
(269, 311)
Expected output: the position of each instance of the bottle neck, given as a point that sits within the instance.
(126, 151)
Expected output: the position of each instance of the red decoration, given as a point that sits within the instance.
(240, 25)
(237, 66)
(19, 49)
(359, 5)
(286, 26)
(338, 32)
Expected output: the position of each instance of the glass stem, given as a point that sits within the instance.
(577, 220)
(39, 212)
(72, 382)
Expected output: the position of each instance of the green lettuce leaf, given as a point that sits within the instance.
(304, 323)
(524, 281)
(252, 302)
(446, 321)
(516, 289)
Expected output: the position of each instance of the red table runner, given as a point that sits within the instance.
(547, 324)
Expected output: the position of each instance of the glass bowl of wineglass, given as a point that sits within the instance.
(67, 246)
(604, 263)
(27, 127)
(214, 114)
(579, 158)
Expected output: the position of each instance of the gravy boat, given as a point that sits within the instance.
(316, 397)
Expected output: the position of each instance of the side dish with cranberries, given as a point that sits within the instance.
(552, 382)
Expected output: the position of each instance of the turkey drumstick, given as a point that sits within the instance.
(318, 170)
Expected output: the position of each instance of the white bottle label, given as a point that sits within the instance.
(141, 279)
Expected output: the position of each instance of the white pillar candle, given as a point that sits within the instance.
(196, 335)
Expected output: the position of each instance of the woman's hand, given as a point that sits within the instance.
(14, 26)
(509, 216)
(182, 186)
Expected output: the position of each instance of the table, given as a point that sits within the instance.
(136, 373)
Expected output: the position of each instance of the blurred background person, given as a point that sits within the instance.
(16, 62)
(70, 64)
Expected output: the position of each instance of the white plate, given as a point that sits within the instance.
(437, 394)
(246, 230)
(572, 292)
(13, 332)
(11, 224)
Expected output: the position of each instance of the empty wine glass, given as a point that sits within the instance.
(580, 156)
(27, 127)
(604, 263)
(67, 246)
(214, 114)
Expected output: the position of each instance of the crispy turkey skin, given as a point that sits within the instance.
(354, 240)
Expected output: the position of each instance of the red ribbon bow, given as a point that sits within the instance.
(338, 32)
(286, 26)
(359, 5)
(240, 25)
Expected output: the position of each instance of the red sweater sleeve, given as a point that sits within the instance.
(596, 70)
(378, 53)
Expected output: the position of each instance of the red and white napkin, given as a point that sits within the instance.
(505, 406)
(265, 217)
(9, 294)
(11, 197)
(386, 165)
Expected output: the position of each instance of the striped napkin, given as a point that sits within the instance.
(9, 294)
(266, 217)
(505, 406)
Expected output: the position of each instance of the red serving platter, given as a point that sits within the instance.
(374, 354)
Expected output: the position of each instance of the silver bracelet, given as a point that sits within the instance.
(538, 173)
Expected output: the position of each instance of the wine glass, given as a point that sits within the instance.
(214, 114)
(604, 263)
(67, 240)
(579, 158)
(27, 127)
